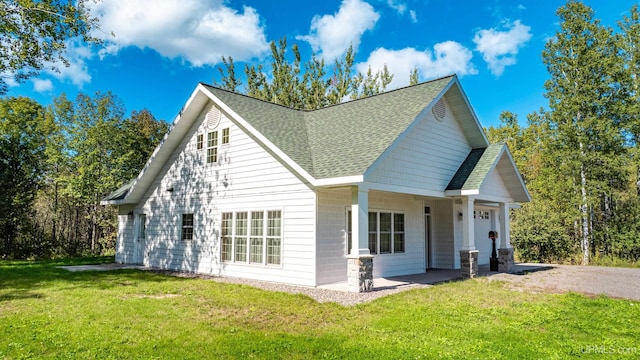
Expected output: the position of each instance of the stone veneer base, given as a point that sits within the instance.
(505, 260)
(360, 273)
(469, 263)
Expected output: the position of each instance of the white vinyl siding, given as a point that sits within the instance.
(245, 178)
(427, 158)
(333, 234)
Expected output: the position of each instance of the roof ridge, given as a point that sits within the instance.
(332, 105)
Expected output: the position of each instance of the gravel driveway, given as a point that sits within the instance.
(590, 280)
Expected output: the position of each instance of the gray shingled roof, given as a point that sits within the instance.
(475, 168)
(339, 140)
(121, 193)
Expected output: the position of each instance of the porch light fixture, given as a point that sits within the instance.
(460, 216)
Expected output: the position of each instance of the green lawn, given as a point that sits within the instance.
(46, 312)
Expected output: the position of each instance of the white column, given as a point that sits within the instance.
(359, 221)
(468, 224)
(505, 228)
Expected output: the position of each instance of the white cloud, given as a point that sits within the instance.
(398, 6)
(331, 35)
(401, 8)
(446, 58)
(42, 85)
(499, 48)
(77, 72)
(414, 16)
(201, 32)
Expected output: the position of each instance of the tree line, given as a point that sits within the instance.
(580, 158)
(57, 162)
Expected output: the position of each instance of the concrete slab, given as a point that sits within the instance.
(434, 277)
(102, 267)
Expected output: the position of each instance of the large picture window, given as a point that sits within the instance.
(253, 237)
(386, 232)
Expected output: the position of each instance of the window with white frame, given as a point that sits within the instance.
(240, 248)
(226, 236)
(187, 227)
(199, 141)
(142, 226)
(212, 147)
(225, 136)
(484, 215)
(386, 232)
(252, 237)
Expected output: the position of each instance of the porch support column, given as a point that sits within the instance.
(505, 252)
(359, 260)
(468, 253)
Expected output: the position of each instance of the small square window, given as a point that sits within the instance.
(200, 141)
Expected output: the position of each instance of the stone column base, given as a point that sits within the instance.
(360, 273)
(469, 263)
(505, 260)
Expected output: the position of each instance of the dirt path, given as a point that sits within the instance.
(591, 280)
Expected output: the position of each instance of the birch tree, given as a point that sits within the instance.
(583, 94)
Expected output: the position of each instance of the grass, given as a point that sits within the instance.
(47, 312)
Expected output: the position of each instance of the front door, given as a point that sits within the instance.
(427, 237)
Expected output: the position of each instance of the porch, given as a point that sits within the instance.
(433, 277)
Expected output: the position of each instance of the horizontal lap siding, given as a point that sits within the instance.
(332, 227)
(442, 234)
(332, 240)
(124, 244)
(412, 261)
(427, 158)
(246, 178)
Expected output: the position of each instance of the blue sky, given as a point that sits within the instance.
(163, 48)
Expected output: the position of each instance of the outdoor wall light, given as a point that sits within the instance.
(460, 216)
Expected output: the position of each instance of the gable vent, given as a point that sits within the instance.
(213, 117)
(439, 110)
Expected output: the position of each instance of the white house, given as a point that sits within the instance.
(393, 184)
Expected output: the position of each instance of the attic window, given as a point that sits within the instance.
(213, 117)
(439, 110)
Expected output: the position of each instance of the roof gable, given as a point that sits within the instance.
(339, 141)
(478, 165)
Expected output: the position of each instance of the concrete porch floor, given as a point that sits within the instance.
(434, 277)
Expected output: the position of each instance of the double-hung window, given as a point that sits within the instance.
(212, 147)
(187, 227)
(386, 232)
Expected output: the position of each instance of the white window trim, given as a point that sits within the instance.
(222, 143)
(142, 226)
(193, 226)
(265, 238)
(216, 147)
(393, 232)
